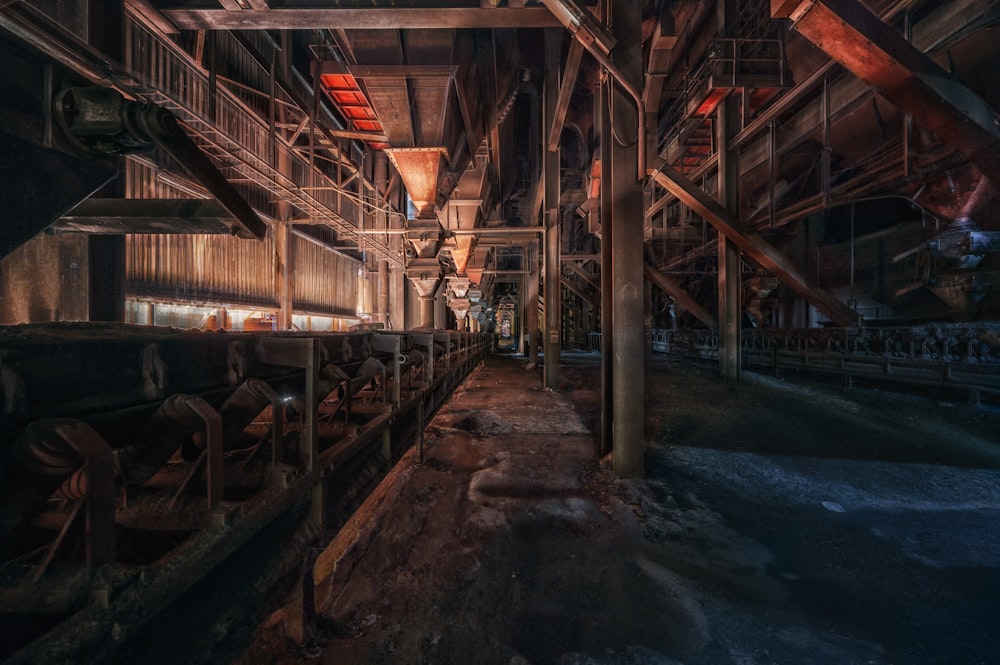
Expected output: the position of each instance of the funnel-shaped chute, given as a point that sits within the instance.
(419, 168)
(461, 252)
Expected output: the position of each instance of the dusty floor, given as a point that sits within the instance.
(778, 524)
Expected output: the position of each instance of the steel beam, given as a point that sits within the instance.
(673, 289)
(385, 18)
(110, 216)
(566, 85)
(754, 246)
(876, 53)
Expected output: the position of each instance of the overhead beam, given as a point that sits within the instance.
(388, 18)
(151, 14)
(879, 55)
(672, 288)
(754, 246)
(116, 216)
(393, 71)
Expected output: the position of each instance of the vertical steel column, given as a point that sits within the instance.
(628, 385)
(531, 310)
(553, 292)
(603, 117)
(283, 239)
(107, 277)
(729, 285)
(106, 253)
(282, 268)
(383, 293)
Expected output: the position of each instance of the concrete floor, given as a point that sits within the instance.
(778, 524)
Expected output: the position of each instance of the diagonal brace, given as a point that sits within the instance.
(756, 247)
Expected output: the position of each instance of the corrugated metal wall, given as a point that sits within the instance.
(220, 269)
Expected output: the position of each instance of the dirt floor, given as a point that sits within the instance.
(778, 523)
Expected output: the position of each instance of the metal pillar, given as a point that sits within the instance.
(607, 286)
(107, 253)
(107, 278)
(627, 260)
(283, 273)
(729, 286)
(283, 241)
(553, 289)
(531, 308)
(381, 220)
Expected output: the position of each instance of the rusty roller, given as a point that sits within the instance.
(40, 460)
(170, 427)
(238, 411)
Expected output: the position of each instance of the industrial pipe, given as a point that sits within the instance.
(589, 32)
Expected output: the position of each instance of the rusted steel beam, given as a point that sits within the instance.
(388, 18)
(593, 280)
(566, 84)
(579, 292)
(673, 289)
(397, 71)
(754, 246)
(114, 216)
(876, 53)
